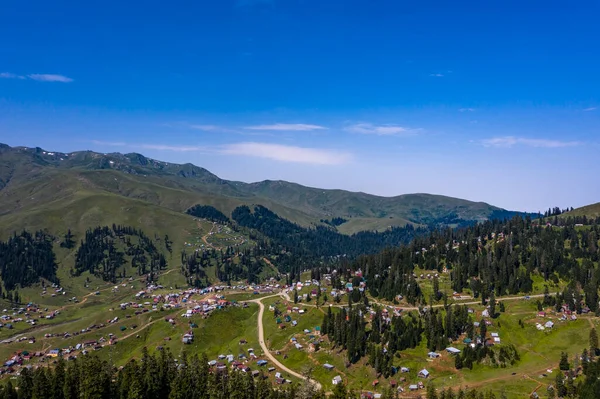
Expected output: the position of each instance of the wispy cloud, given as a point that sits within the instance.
(206, 128)
(276, 152)
(287, 153)
(437, 75)
(41, 77)
(466, 109)
(590, 109)
(109, 143)
(8, 75)
(159, 147)
(511, 141)
(381, 130)
(289, 127)
(176, 148)
(46, 77)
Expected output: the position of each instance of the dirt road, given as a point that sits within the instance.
(284, 294)
(261, 340)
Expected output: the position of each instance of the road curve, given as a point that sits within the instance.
(261, 341)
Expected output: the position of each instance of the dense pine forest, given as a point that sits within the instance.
(161, 376)
(152, 377)
(347, 330)
(25, 258)
(498, 257)
(230, 264)
(320, 241)
(208, 212)
(99, 253)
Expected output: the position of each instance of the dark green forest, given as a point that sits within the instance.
(99, 253)
(25, 258)
(208, 212)
(152, 377)
(496, 256)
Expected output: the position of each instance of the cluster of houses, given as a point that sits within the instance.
(29, 314)
(423, 374)
(241, 364)
(217, 228)
(57, 290)
(566, 314)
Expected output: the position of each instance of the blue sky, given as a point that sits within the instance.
(495, 101)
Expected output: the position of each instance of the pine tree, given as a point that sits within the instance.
(25, 384)
(431, 394)
(9, 391)
(564, 362)
(58, 380)
(458, 364)
(482, 330)
(71, 387)
(339, 392)
(593, 342)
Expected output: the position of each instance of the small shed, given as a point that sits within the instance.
(452, 350)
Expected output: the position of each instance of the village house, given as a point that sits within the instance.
(452, 350)
(423, 374)
(188, 338)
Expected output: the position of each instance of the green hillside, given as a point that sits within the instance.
(35, 182)
(592, 210)
(377, 212)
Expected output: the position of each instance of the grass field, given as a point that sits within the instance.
(538, 350)
(220, 334)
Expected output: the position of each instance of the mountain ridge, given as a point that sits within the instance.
(25, 171)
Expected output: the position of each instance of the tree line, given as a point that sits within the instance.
(496, 257)
(158, 376)
(100, 253)
(208, 212)
(25, 258)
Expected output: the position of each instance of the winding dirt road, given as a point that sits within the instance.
(261, 341)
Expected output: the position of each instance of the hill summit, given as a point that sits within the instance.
(36, 184)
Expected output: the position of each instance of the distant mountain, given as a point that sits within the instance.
(40, 188)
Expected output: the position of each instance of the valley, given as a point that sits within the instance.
(116, 258)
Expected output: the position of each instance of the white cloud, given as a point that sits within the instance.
(176, 148)
(436, 75)
(590, 109)
(41, 77)
(466, 109)
(298, 127)
(511, 141)
(286, 153)
(277, 152)
(45, 77)
(206, 128)
(8, 75)
(109, 143)
(159, 147)
(381, 130)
